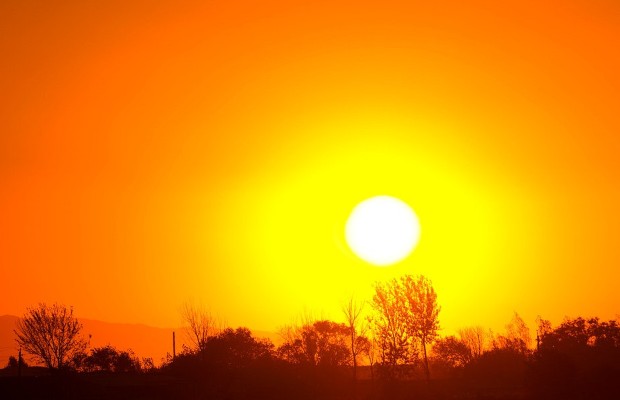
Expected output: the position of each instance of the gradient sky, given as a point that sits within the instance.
(151, 154)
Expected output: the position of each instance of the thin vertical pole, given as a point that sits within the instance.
(19, 363)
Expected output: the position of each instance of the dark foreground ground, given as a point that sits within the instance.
(103, 386)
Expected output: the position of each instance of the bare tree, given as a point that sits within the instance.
(352, 311)
(51, 334)
(476, 338)
(201, 325)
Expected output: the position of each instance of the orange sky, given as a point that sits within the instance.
(150, 154)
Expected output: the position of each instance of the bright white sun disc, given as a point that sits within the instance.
(382, 230)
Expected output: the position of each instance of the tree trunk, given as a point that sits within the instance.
(354, 353)
(426, 369)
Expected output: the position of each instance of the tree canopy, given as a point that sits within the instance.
(51, 334)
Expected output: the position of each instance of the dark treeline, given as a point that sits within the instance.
(388, 348)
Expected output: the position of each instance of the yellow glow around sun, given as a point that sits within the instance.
(282, 232)
(382, 230)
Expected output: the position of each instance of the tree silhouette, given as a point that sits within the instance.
(476, 338)
(422, 312)
(101, 359)
(579, 336)
(51, 334)
(579, 358)
(237, 348)
(323, 343)
(14, 363)
(396, 345)
(201, 325)
(109, 359)
(452, 351)
(517, 336)
(358, 343)
(406, 315)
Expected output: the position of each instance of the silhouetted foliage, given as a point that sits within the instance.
(51, 334)
(406, 316)
(14, 364)
(422, 312)
(237, 349)
(323, 343)
(231, 349)
(389, 323)
(517, 336)
(108, 359)
(101, 359)
(579, 358)
(452, 351)
(498, 368)
(235, 364)
(147, 364)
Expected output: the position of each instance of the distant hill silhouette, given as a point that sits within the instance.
(8, 347)
(144, 340)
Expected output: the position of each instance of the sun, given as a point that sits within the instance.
(382, 230)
